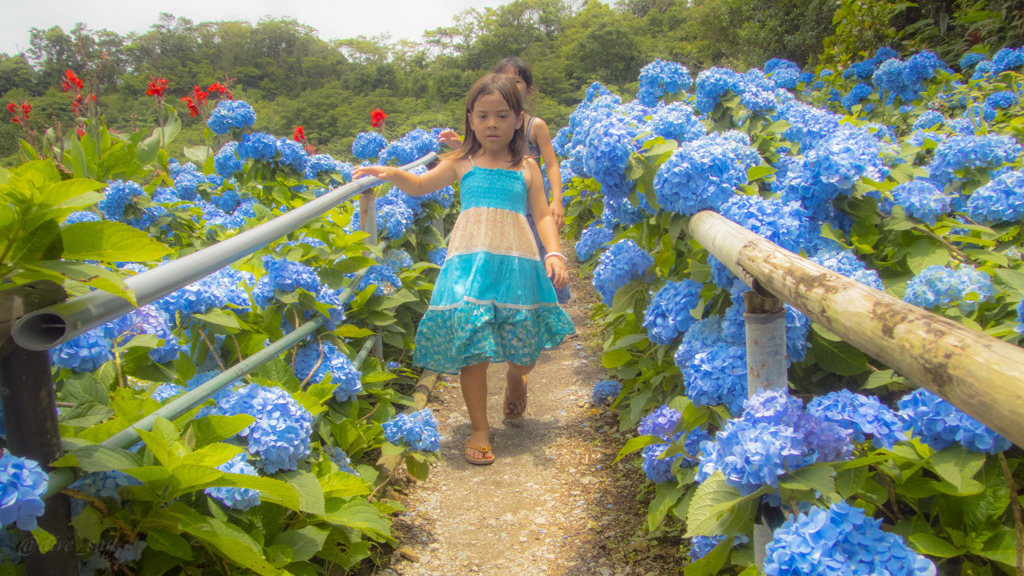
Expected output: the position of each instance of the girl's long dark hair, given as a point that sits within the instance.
(490, 84)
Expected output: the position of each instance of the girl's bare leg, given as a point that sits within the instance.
(515, 393)
(473, 380)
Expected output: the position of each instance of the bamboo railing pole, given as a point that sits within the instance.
(979, 374)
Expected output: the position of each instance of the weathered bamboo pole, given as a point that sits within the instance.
(979, 374)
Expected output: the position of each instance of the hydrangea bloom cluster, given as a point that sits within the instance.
(383, 277)
(240, 499)
(10, 552)
(940, 286)
(280, 434)
(669, 315)
(340, 459)
(621, 263)
(409, 148)
(861, 415)
(81, 216)
(100, 485)
(394, 216)
(221, 289)
(659, 469)
(605, 391)
(418, 430)
(438, 255)
(855, 95)
(620, 212)
(832, 167)
(22, 485)
(258, 146)
(718, 375)
(928, 120)
(662, 421)
(840, 540)
(292, 154)
(702, 174)
(397, 260)
(808, 125)
(703, 335)
(314, 362)
(368, 145)
(960, 152)
(701, 545)
(921, 199)
(116, 197)
(846, 263)
(83, 353)
(678, 122)
(940, 424)
(111, 557)
(286, 276)
(659, 78)
(592, 239)
(231, 114)
(752, 454)
(787, 224)
(1001, 200)
(607, 152)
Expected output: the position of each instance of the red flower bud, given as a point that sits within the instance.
(378, 116)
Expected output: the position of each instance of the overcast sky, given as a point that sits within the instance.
(332, 19)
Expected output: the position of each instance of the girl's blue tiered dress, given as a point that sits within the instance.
(492, 299)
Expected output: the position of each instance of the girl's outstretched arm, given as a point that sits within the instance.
(412, 184)
(552, 168)
(554, 265)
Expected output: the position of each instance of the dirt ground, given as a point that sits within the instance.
(552, 503)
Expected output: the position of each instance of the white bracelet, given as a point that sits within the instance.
(559, 254)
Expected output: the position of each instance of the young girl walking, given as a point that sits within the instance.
(538, 147)
(494, 299)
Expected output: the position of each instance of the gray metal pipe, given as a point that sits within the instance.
(52, 326)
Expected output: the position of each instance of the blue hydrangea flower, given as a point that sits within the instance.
(116, 197)
(960, 152)
(855, 95)
(862, 415)
(398, 260)
(970, 59)
(678, 122)
(921, 199)
(224, 288)
(394, 217)
(712, 84)
(703, 335)
(166, 391)
(1002, 99)
(280, 434)
(659, 469)
(620, 212)
(840, 540)
(824, 440)
(343, 372)
(659, 78)
(83, 353)
(340, 459)
(669, 315)
(418, 430)
(701, 545)
(22, 485)
(81, 216)
(608, 149)
(383, 277)
(774, 407)
(240, 499)
(1008, 59)
(437, 255)
(718, 375)
(660, 422)
(787, 224)
(100, 485)
(1001, 200)
(751, 454)
(368, 145)
(286, 276)
(702, 174)
(785, 77)
(623, 262)
(808, 125)
(928, 120)
(258, 146)
(605, 392)
(231, 114)
(292, 154)
(592, 239)
(10, 547)
(940, 286)
(939, 424)
(845, 262)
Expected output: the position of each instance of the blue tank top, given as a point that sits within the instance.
(532, 150)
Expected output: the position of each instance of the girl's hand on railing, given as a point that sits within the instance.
(450, 138)
(383, 172)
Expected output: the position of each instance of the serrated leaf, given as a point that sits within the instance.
(360, 515)
(957, 465)
(212, 429)
(306, 484)
(110, 242)
(881, 378)
(99, 458)
(666, 495)
(850, 480)
(230, 541)
(711, 563)
(933, 545)
(304, 542)
(417, 468)
(166, 541)
(718, 509)
(838, 356)
(814, 477)
(44, 540)
(637, 443)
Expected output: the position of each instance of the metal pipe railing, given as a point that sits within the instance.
(44, 329)
(979, 374)
(181, 405)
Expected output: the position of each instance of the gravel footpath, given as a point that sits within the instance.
(552, 503)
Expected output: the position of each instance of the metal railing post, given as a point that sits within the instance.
(30, 416)
(765, 319)
(368, 224)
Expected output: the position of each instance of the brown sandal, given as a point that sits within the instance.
(514, 410)
(483, 450)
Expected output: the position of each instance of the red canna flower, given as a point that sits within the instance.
(196, 101)
(78, 103)
(378, 116)
(26, 108)
(218, 88)
(79, 131)
(71, 81)
(299, 135)
(157, 87)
